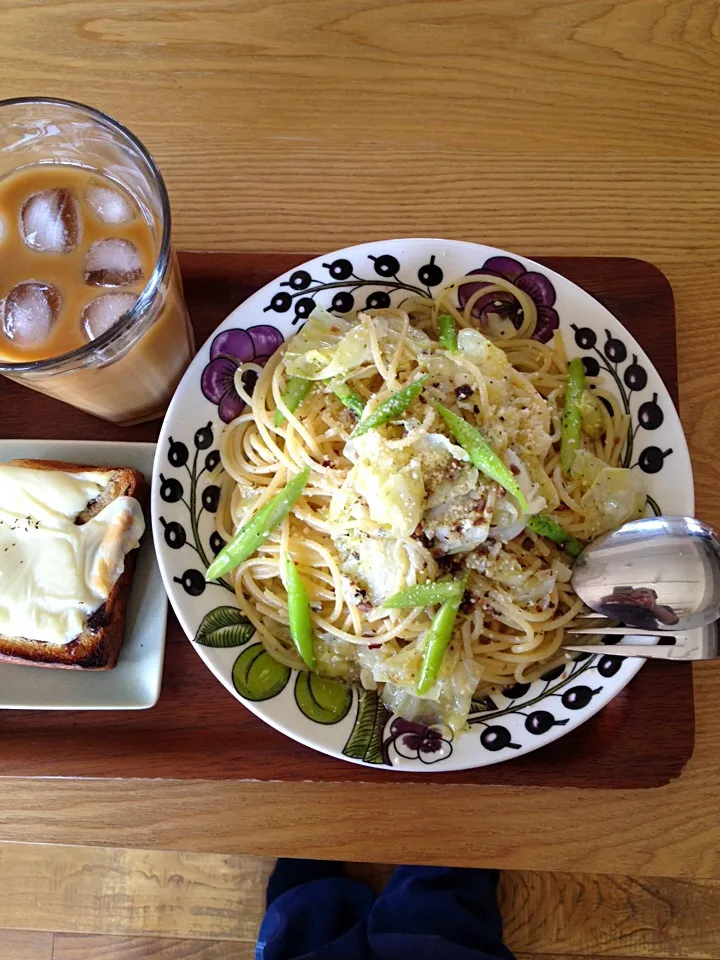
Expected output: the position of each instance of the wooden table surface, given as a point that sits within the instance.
(565, 128)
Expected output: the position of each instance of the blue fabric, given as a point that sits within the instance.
(424, 913)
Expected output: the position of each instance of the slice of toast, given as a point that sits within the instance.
(98, 646)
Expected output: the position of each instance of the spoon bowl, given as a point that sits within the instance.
(659, 573)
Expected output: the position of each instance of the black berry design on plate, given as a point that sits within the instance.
(343, 302)
(541, 721)
(178, 453)
(386, 266)
(171, 490)
(561, 681)
(281, 302)
(174, 533)
(192, 582)
(303, 289)
(650, 414)
(299, 280)
(651, 459)
(303, 308)
(615, 350)
(578, 697)
(585, 338)
(635, 377)
(199, 501)
(516, 691)
(497, 738)
(553, 674)
(211, 498)
(592, 367)
(609, 666)
(378, 300)
(216, 542)
(430, 274)
(212, 460)
(339, 269)
(204, 437)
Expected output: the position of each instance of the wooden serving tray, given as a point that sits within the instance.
(643, 738)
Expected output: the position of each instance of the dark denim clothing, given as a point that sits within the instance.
(424, 913)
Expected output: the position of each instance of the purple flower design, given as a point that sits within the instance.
(228, 351)
(415, 741)
(493, 309)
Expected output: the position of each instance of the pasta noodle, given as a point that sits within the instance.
(402, 505)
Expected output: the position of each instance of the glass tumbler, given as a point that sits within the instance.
(129, 372)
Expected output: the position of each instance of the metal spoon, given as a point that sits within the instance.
(660, 573)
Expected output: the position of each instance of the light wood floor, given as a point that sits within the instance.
(95, 903)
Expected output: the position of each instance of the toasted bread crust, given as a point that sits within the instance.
(98, 647)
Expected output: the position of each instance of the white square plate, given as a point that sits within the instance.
(134, 684)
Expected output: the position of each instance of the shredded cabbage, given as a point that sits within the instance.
(313, 348)
(616, 496)
(591, 415)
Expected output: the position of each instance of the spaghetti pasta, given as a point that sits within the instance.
(402, 504)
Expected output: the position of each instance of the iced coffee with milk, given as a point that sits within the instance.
(91, 306)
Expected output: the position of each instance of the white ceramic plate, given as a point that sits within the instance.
(325, 714)
(134, 684)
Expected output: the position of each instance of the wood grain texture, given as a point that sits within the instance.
(580, 128)
(597, 916)
(198, 730)
(69, 946)
(639, 75)
(127, 905)
(131, 892)
(26, 945)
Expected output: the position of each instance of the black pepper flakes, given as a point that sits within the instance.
(463, 391)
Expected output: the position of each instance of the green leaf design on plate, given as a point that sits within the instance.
(321, 699)
(366, 740)
(482, 705)
(257, 676)
(224, 627)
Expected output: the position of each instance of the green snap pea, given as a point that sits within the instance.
(391, 408)
(299, 613)
(482, 454)
(347, 396)
(438, 638)
(545, 526)
(447, 332)
(295, 392)
(572, 414)
(258, 528)
(424, 594)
